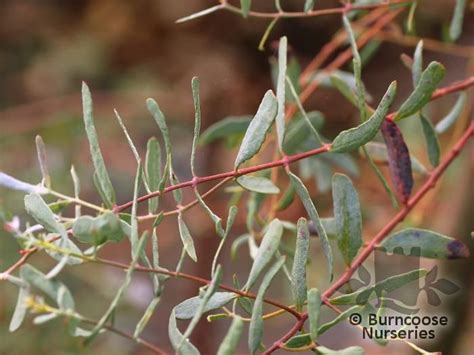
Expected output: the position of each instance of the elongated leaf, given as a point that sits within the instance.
(204, 301)
(186, 238)
(257, 130)
(308, 5)
(258, 184)
(197, 121)
(297, 135)
(266, 250)
(136, 253)
(188, 308)
(398, 160)
(348, 217)
(299, 341)
(160, 120)
(256, 322)
(52, 288)
(214, 217)
(326, 326)
(425, 243)
(378, 152)
(381, 177)
(40, 211)
(429, 80)
(245, 7)
(41, 150)
(455, 28)
(99, 166)
(431, 140)
(357, 64)
(281, 95)
(20, 310)
(388, 285)
(229, 127)
(314, 311)
(153, 171)
(230, 222)
(453, 115)
(314, 216)
(177, 339)
(231, 340)
(298, 272)
(14, 184)
(142, 323)
(310, 125)
(417, 66)
(358, 136)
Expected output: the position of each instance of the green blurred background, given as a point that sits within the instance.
(128, 51)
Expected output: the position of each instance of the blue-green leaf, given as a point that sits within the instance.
(453, 115)
(417, 66)
(362, 296)
(20, 309)
(314, 216)
(298, 272)
(360, 135)
(52, 288)
(256, 322)
(99, 166)
(41, 150)
(348, 217)
(314, 311)
(431, 140)
(228, 128)
(455, 28)
(427, 84)
(177, 339)
(197, 121)
(188, 308)
(308, 5)
(257, 130)
(245, 7)
(424, 243)
(280, 92)
(266, 251)
(186, 238)
(231, 340)
(153, 171)
(257, 184)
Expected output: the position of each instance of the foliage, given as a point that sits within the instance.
(79, 239)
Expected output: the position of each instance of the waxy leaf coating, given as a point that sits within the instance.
(258, 128)
(355, 137)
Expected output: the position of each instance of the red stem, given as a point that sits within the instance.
(399, 217)
(461, 85)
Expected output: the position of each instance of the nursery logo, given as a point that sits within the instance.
(396, 287)
(397, 283)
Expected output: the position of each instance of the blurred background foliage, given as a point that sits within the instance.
(130, 50)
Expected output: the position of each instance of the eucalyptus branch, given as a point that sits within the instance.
(285, 161)
(368, 250)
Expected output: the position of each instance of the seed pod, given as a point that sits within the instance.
(398, 160)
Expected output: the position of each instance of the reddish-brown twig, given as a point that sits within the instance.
(399, 217)
(313, 13)
(461, 85)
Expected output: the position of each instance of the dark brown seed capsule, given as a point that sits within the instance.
(398, 160)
